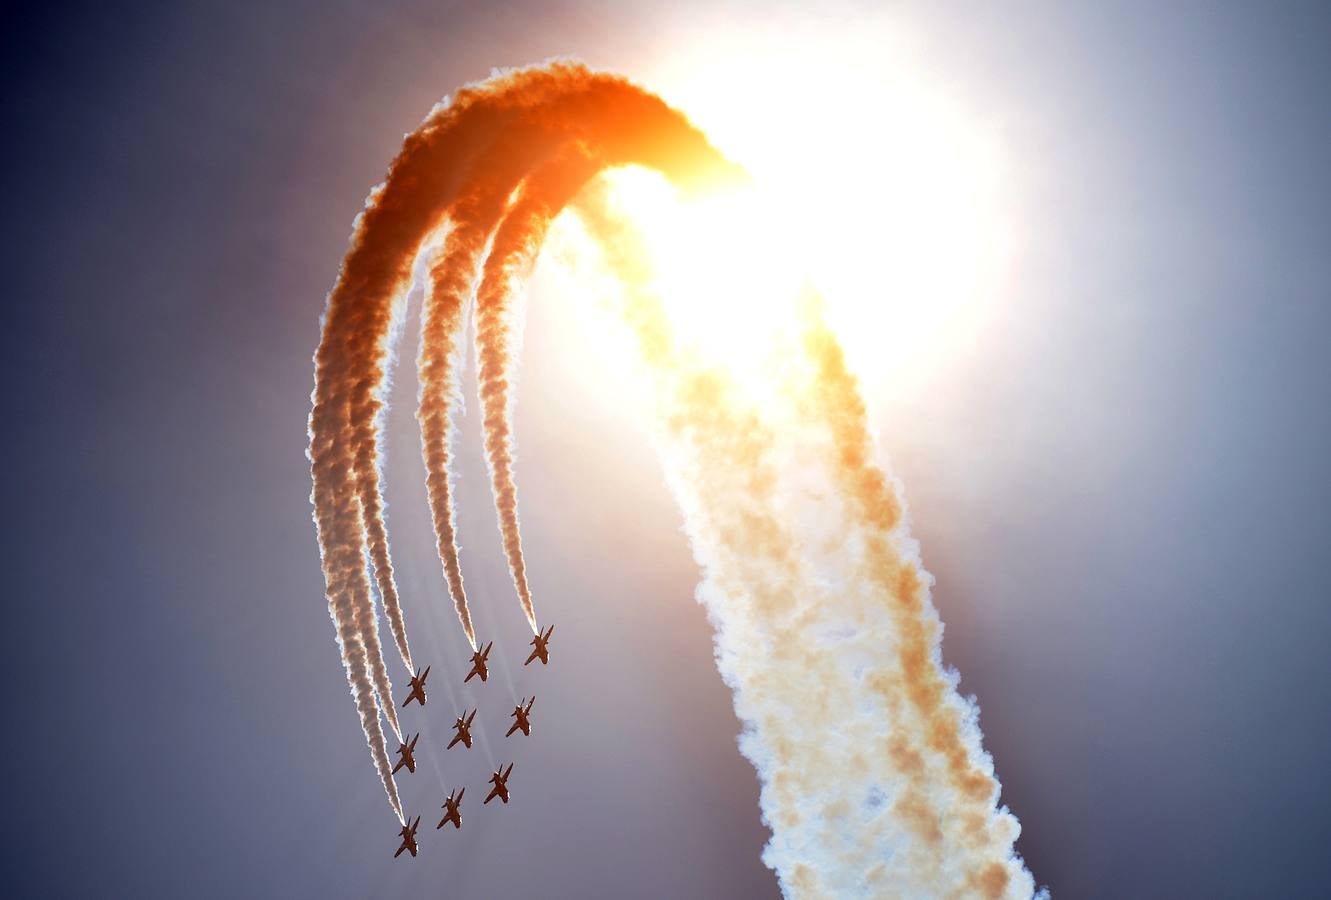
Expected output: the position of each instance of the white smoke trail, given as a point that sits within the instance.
(860, 799)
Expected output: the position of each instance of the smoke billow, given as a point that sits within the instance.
(873, 777)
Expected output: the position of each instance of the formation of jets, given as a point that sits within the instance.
(521, 714)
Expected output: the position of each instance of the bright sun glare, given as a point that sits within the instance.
(887, 192)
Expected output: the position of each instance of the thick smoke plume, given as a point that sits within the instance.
(874, 780)
(897, 804)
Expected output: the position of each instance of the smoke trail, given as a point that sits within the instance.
(371, 499)
(513, 252)
(437, 364)
(943, 837)
(438, 162)
(452, 275)
(949, 723)
(873, 777)
(348, 368)
(369, 715)
(350, 364)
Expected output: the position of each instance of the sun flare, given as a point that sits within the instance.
(892, 189)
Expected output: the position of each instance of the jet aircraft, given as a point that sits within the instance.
(462, 724)
(540, 650)
(478, 666)
(521, 721)
(454, 807)
(408, 833)
(417, 687)
(407, 751)
(500, 781)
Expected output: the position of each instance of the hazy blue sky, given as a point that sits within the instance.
(1124, 491)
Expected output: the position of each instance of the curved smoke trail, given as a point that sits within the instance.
(874, 780)
(513, 251)
(825, 800)
(459, 167)
(442, 318)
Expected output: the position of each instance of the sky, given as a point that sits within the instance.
(1121, 485)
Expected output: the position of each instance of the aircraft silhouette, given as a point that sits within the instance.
(417, 687)
(521, 721)
(540, 650)
(500, 781)
(478, 666)
(408, 833)
(406, 751)
(462, 724)
(454, 808)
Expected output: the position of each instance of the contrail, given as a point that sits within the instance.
(452, 276)
(513, 252)
(873, 776)
(371, 498)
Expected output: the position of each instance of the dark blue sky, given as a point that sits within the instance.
(1124, 492)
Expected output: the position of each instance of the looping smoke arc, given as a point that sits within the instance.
(884, 787)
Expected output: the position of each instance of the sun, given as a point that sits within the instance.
(724, 263)
(889, 192)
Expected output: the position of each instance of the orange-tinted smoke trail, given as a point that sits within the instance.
(411, 204)
(760, 592)
(450, 279)
(441, 331)
(440, 161)
(947, 722)
(614, 120)
(804, 653)
(452, 275)
(349, 376)
(376, 533)
(806, 657)
(513, 252)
